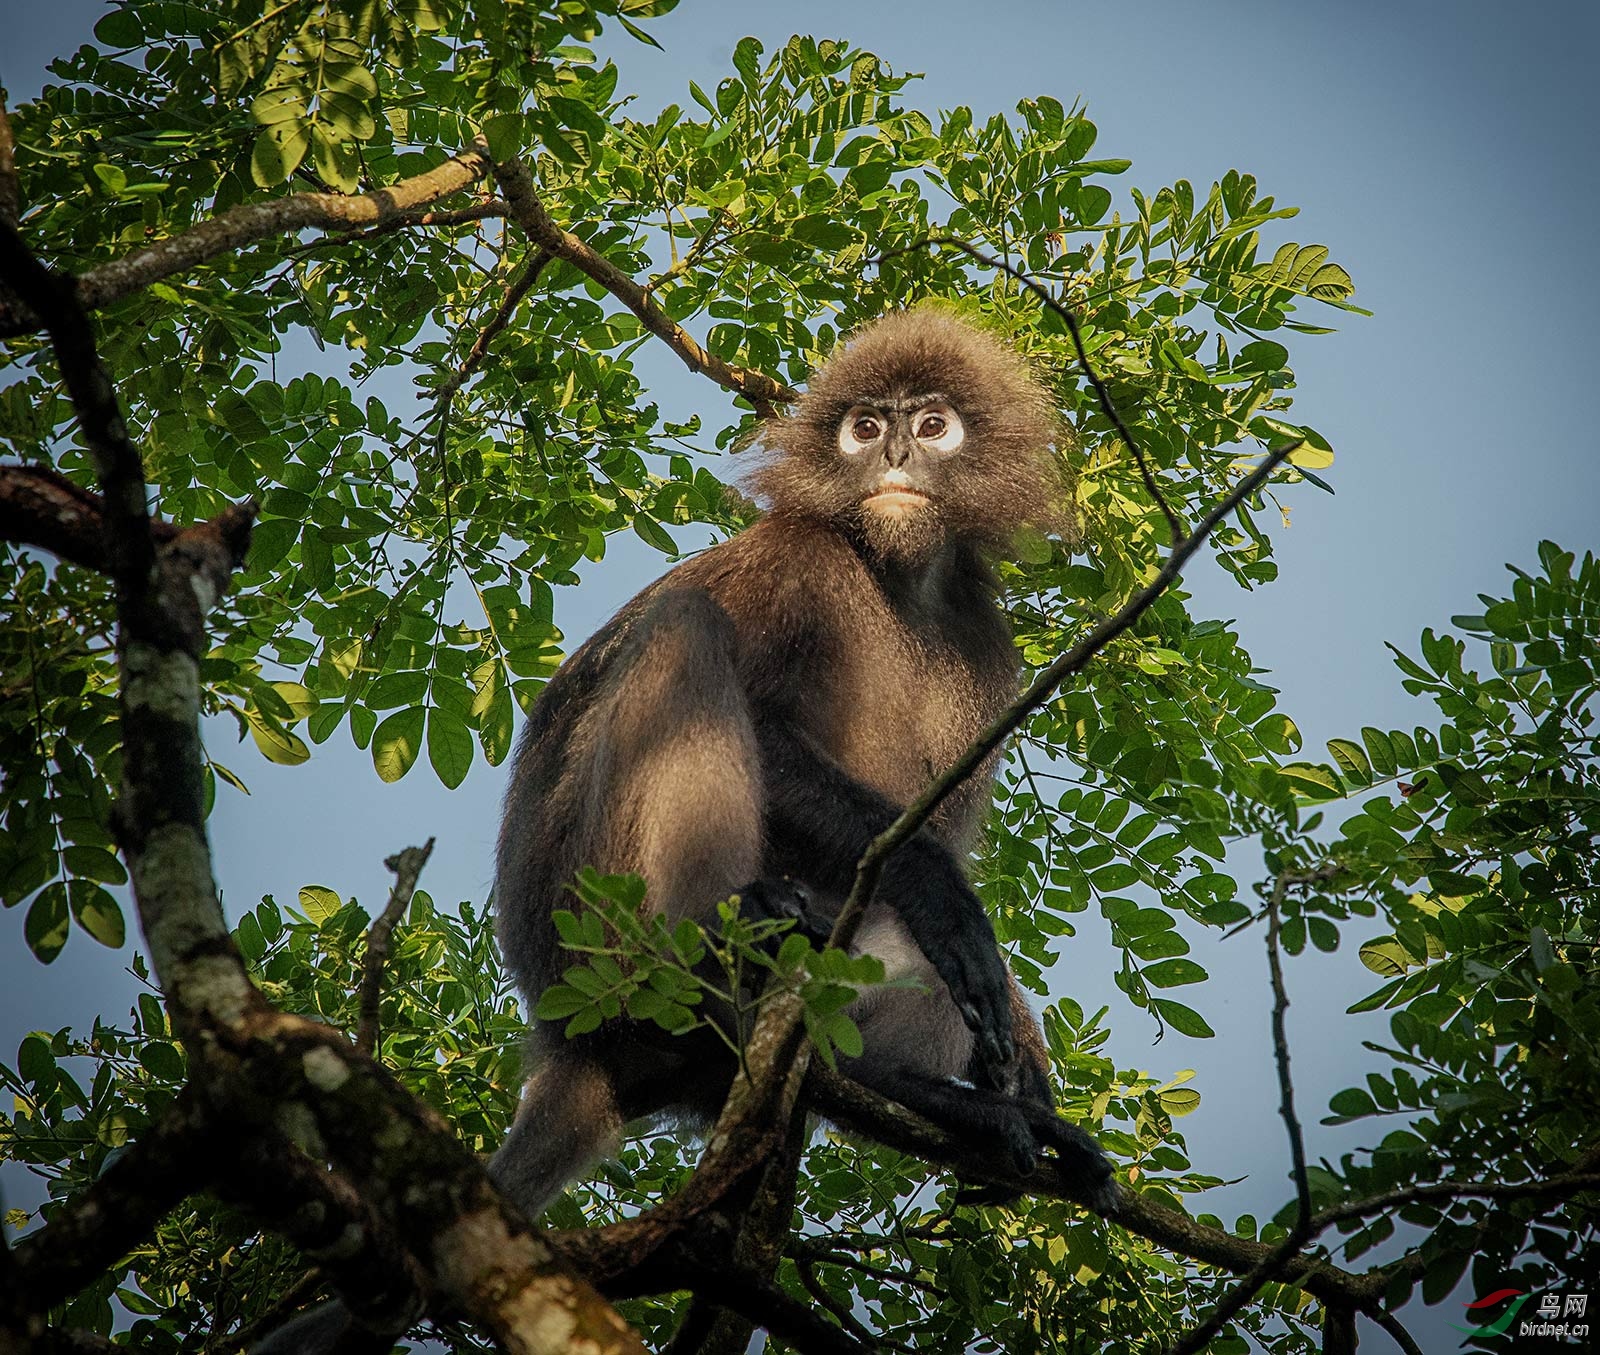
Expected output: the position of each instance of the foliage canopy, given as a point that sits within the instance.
(415, 522)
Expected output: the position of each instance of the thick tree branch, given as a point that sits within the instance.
(335, 1226)
(90, 1232)
(253, 1068)
(517, 185)
(406, 865)
(488, 210)
(109, 282)
(756, 1215)
(40, 507)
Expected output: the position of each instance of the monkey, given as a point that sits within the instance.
(757, 716)
(747, 724)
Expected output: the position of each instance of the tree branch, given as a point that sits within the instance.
(1297, 1236)
(103, 1222)
(1396, 1329)
(325, 1217)
(487, 210)
(254, 1067)
(109, 282)
(517, 185)
(41, 507)
(406, 865)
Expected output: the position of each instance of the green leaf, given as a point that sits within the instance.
(279, 149)
(1312, 782)
(1380, 750)
(120, 28)
(449, 746)
(1184, 1020)
(163, 1061)
(1386, 957)
(1173, 974)
(45, 928)
(319, 903)
(1352, 1103)
(1179, 1101)
(278, 744)
(1352, 762)
(98, 913)
(396, 743)
(652, 533)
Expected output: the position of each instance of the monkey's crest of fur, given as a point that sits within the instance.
(1004, 477)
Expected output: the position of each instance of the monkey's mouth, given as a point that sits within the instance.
(896, 502)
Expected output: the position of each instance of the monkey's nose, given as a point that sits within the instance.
(897, 449)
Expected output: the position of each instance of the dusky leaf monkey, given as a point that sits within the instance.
(757, 716)
(763, 711)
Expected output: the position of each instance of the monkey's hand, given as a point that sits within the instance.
(777, 898)
(926, 889)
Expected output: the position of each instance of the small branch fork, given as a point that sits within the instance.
(407, 866)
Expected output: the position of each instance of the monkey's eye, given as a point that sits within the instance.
(859, 429)
(938, 428)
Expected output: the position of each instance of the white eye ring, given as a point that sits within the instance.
(938, 427)
(861, 428)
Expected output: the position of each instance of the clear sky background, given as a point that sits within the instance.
(1445, 152)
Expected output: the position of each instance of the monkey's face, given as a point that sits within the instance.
(920, 431)
(895, 446)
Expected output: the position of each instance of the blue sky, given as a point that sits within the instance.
(1445, 154)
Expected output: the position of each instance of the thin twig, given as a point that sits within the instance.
(512, 297)
(1075, 660)
(407, 866)
(1392, 1324)
(1280, 1049)
(1304, 1225)
(517, 184)
(808, 1277)
(1069, 316)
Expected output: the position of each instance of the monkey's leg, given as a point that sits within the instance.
(671, 751)
(820, 821)
(661, 777)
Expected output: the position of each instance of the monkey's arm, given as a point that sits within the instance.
(819, 822)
